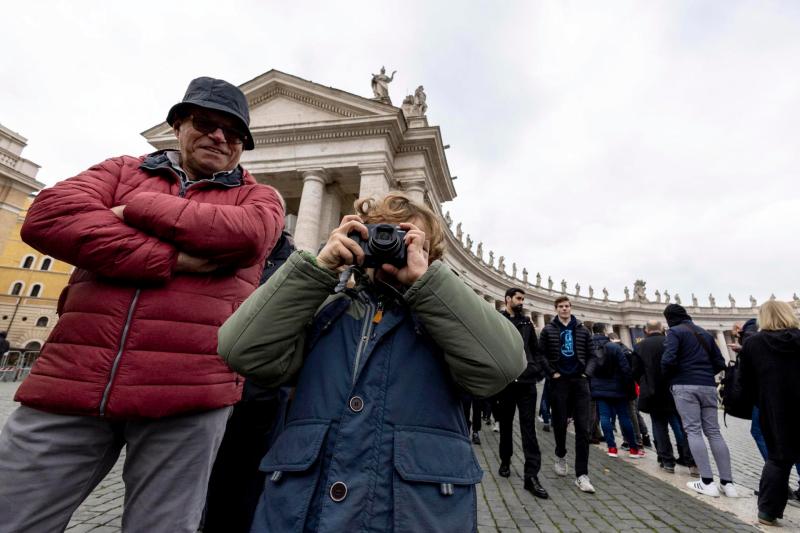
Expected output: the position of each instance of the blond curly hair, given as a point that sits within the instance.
(395, 208)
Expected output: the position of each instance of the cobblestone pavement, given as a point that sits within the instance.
(628, 499)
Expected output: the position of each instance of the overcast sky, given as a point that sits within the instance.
(599, 142)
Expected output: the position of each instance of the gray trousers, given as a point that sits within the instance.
(697, 405)
(50, 463)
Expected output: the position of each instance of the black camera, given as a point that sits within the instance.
(385, 245)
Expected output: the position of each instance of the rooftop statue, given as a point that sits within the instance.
(479, 251)
(772, 297)
(605, 294)
(514, 270)
(421, 99)
(627, 293)
(677, 298)
(658, 296)
(639, 287)
(459, 233)
(491, 258)
(591, 292)
(549, 283)
(380, 85)
(753, 301)
(732, 301)
(525, 275)
(538, 279)
(577, 289)
(448, 220)
(469, 243)
(666, 297)
(563, 286)
(694, 301)
(712, 300)
(501, 264)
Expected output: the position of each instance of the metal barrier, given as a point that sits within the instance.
(16, 364)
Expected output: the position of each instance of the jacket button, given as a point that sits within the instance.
(356, 404)
(338, 491)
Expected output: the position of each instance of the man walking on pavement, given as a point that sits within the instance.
(566, 348)
(521, 393)
(656, 399)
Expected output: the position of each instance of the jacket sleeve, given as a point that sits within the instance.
(717, 359)
(622, 362)
(72, 222)
(544, 343)
(637, 365)
(236, 235)
(264, 339)
(669, 360)
(482, 348)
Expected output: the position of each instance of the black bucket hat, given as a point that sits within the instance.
(218, 95)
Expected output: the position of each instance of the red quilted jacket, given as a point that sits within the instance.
(134, 339)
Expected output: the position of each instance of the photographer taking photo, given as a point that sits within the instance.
(380, 370)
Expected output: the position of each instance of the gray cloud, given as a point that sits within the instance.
(596, 142)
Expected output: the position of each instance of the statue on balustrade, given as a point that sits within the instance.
(501, 264)
(479, 251)
(448, 220)
(459, 233)
(627, 293)
(538, 279)
(772, 297)
(514, 270)
(469, 243)
(753, 302)
(591, 292)
(677, 298)
(639, 287)
(732, 301)
(694, 300)
(712, 300)
(491, 258)
(524, 275)
(658, 296)
(795, 299)
(380, 85)
(420, 100)
(605, 294)
(563, 286)
(577, 289)
(549, 283)
(666, 297)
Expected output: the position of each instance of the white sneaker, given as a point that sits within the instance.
(540, 419)
(560, 466)
(584, 484)
(496, 427)
(730, 490)
(701, 488)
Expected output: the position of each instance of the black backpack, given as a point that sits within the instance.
(734, 402)
(603, 367)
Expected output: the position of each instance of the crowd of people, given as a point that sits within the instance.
(259, 388)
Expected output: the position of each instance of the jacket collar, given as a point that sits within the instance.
(170, 160)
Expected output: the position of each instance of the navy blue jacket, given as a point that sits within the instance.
(686, 361)
(613, 381)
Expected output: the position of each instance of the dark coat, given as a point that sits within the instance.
(4, 345)
(770, 376)
(550, 346)
(654, 394)
(534, 371)
(613, 381)
(686, 360)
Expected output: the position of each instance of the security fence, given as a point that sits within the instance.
(15, 365)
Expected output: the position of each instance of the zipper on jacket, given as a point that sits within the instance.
(117, 358)
(366, 331)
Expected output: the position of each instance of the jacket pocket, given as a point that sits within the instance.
(434, 482)
(292, 466)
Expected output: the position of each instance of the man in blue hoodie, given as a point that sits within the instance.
(566, 348)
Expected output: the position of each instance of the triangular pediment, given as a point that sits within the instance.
(277, 99)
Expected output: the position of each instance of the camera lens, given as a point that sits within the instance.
(385, 241)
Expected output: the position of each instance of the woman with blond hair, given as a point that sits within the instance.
(770, 374)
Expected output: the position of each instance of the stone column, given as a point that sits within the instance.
(306, 233)
(331, 211)
(416, 191)
(375, 180)
(539, 322)
(625, 335)
(723, 344)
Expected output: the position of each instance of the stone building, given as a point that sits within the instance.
(30, 282)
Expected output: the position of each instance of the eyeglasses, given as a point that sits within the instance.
(205, 125)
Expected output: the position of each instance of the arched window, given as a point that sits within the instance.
(46, 262)
(33, 346)
(42, 322)
(28, 261)
(16, 289)
(36, 288)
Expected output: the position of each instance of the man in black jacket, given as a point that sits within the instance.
(656, 399)
(521, 393)
(566, 347)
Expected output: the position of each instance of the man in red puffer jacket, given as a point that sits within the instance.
(165, 247)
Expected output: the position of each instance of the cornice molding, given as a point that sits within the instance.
(303, 98)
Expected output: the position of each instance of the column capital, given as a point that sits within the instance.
(315, 174)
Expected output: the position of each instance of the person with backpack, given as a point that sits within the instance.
(690, 361)
(610, 379)
(655, 398)
(769, 377)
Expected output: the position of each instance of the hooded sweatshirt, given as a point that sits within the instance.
(770, 374)
(568, 364)
(687, 359)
